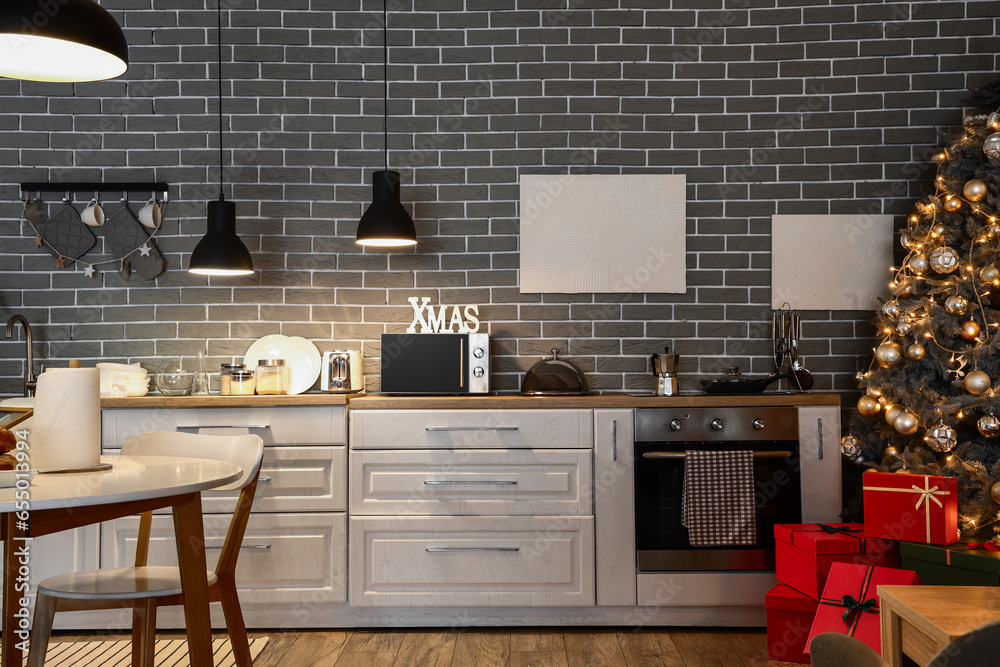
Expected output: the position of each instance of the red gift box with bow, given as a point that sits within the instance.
(915, 508)
(850, 605)
(804, 552)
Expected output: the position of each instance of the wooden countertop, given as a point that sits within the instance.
(515, 401)
(158, 401)
(502, 401)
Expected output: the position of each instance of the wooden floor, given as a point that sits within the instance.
(503, 647)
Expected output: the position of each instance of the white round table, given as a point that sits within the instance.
(135, 484)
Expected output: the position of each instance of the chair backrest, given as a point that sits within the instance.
(976, 647)
(245, 451)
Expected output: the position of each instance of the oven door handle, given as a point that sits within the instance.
(769, 454)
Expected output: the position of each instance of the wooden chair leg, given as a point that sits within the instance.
(45, 611)
(234, 623)
(144, 633)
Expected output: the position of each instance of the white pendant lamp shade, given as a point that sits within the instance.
(61, 41)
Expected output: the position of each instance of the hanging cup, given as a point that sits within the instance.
(149, 215)
(93, 215)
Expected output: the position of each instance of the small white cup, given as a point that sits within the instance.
(93, 215)
(149, 215)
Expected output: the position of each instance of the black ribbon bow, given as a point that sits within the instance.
(853, 606)
(833, 530)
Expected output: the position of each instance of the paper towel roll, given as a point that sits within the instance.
(66, 425)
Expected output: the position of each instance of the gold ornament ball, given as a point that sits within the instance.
(892, 412)
(944, 260)
(868, 406)
(891, 308)
(970, 330)
(907, 423)
(892, 450)
(888, 354)
(904, 471)
(956, 304)
(850, 447)
(995, 493)
(941, 438)
(916, 352)
(977, 382)
(939, 229)
(904, 327)
(952, 204)
(974, 190)
(989, 273)
(918, 263)
(989, 425)
(991, 146)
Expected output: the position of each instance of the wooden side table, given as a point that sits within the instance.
(919, 621)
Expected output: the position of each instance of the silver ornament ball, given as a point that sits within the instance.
(906, 423)
(891, 308)
(988, 274)
(944, 260)
(850, 447)
(941, 438)
(888, 354)
(991, 146)
(916, 352)
(892, 412)
(956, 304)
(989, 425)
(904, 327)
(918, 263)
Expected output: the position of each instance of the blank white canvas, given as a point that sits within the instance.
(830, 262)
(603, 233)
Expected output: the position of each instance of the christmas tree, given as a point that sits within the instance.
(930, 396)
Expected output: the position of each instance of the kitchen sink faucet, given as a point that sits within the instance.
(30, 380)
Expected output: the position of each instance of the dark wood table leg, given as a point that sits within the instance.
(13, 541)
(190, 534)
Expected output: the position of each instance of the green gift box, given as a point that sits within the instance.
(959, 564)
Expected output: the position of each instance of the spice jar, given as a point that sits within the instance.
(226, 377)
(240, 383)
(273, 376)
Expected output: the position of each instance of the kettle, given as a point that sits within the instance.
(665, 367)
(341, 372)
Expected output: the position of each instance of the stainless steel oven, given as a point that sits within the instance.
(662, 435)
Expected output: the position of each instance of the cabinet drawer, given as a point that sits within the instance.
(472, 561)
(448, 482)
(471, 429)
(285, 557)
(324, 425)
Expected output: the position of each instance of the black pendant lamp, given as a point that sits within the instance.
(221, 252)
(386, 224)
(60, 40)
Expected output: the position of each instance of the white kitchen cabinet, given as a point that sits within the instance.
(819, 454)
(614, 506)
(471, 481)
(472, 561)
(471, 429)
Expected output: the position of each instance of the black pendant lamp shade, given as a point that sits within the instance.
(60, 40)
(221, 252)
(386, 223)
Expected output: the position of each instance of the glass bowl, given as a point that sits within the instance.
(173, 379)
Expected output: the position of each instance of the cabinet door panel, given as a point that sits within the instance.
(819, 452)
(614, 506)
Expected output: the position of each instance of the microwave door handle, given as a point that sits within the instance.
(461, 363)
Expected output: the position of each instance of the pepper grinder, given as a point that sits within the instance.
(665, 367)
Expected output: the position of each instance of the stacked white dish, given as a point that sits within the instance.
(123, 380)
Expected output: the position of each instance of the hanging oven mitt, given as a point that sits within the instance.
(65, 234)
(128, 240)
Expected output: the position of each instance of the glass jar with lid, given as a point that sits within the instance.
(225, 377)
(241, 383)
(273, 376)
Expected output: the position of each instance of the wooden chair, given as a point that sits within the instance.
(144, 588)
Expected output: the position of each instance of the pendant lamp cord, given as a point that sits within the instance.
(385, 79)
(221, 153)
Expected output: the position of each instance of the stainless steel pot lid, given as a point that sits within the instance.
(554, 377)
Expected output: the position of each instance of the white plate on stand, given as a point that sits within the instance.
(300, 355)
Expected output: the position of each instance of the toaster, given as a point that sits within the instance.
(341, 372)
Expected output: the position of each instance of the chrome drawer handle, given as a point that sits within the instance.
(495, 482)
(776, 454)
(470, 428)
(191, 426)
(444, 549)
(249, 547)
(264, 480)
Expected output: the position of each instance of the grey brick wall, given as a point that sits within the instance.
(797, 106)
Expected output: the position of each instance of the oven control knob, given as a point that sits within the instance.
(758, 424)
(717, 424)
(478, 371)
(675, 424)
(479, 353)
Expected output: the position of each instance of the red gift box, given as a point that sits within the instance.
(804, 552)
(914, 508)
(850, 604)
(789, 619)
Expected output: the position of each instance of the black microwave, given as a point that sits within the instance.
(435, 363)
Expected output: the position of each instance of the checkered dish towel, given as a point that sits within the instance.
(718, 501)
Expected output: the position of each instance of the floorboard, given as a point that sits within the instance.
(502, 647)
